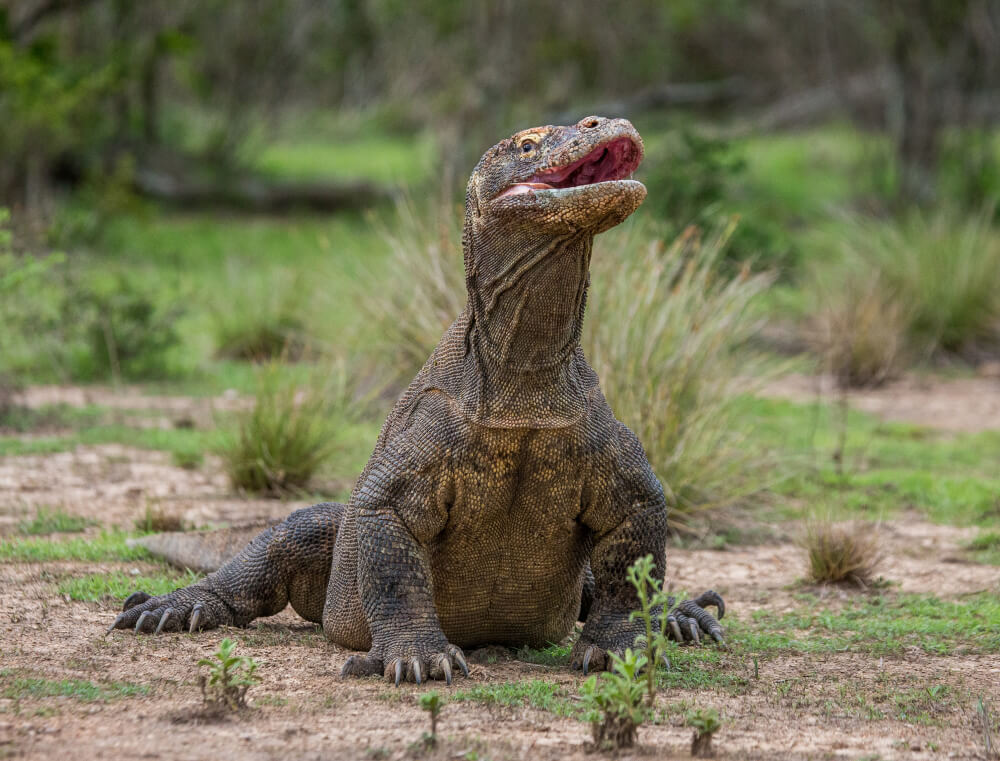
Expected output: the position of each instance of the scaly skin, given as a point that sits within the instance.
(503, 498)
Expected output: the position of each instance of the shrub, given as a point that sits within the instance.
(664, 332)
(694, 179)
(229, 678)
(279, 444)
(840, 552)
(706, 722)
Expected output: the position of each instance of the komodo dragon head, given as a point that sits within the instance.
(534, 203)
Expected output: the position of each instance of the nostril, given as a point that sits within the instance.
(591, 122)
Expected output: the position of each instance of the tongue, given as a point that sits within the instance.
(525, 187)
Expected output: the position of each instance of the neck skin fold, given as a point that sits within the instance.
(527, 296)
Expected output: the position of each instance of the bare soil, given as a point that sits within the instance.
(844, 705)
(963, 405)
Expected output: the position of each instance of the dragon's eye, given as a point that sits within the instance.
(527, 145)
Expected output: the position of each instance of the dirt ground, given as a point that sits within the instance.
(800, 707)
(963, 405)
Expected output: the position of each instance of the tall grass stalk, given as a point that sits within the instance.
(664, 332)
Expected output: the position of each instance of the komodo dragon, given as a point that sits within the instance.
(503, 501)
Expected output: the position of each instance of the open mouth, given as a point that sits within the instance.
(614, 160)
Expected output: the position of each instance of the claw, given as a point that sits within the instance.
(136, 598)
(416, 671)
(586, 659)
(114, 625)
(195, 618)
(399, 672)
(346, 668)
(446, 668)
(142, 620)
(675, 629)
(711, 597)
(167, 614)
(460, 659)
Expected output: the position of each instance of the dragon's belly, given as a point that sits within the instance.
(508, 568)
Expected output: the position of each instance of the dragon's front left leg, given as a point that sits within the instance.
(629, 520)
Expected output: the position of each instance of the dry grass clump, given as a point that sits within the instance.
(859, 329)
(277, 446)
(838, 553)
(156, 520)
(667, 334)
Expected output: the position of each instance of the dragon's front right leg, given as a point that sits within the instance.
(286, 563)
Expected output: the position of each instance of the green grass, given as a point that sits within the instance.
(108, 546)
(178, 440)
(54, 522)
(118, 585)
(882, 625)
(985, 548)
(388, 159)
(552, 655)
(887, 467)
(17, 687)
(535, 693)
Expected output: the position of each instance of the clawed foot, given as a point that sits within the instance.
(192, 608)
(687, 622)
(408, 664)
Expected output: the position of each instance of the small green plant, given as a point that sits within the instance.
(653, 604)
(614, 703)
(986, 727)
(706, 722)
(840, 553)
(936, 691)
(229, 677)
(432, 703)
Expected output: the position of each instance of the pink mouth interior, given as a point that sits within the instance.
(614, 160)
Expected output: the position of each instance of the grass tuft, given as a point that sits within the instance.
(840, 552)
(261, 318)
(54, 522)
(860, 329)
(155, 520)
(279, 445)
(929, 281)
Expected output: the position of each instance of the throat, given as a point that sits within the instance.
(524, 332)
